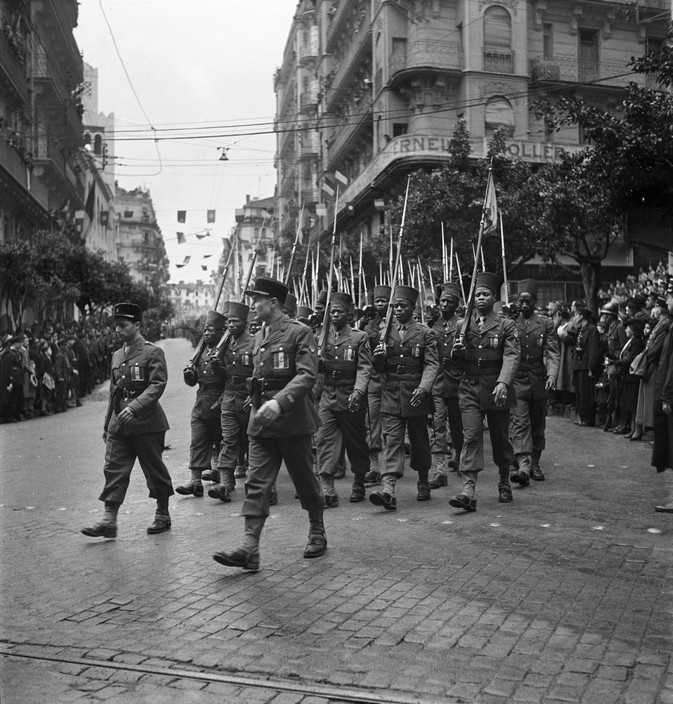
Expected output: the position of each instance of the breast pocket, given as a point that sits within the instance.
(280, 358)
(495, 341)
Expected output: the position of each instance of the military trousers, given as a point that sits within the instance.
(234, 444)
(375, 428)
(206, 433)
(265, 456)
(440, 439)
(339, 429)
(394, 428)
(527, 425)
(121, 452)
(472, 456)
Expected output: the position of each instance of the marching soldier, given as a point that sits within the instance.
(535, 378)
(135, 424)
(205, 419)
(491, 352)
(236, 357)
(373, 330)
(346, 366)
(446, 387)
(282, 423)
(407, 361)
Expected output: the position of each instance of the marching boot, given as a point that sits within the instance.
(329, 492)
(522, 476)
(385, 496)
(193, 487)
(439, 476)
(162, 519)
(374, 475)
(317, 540)
(247, 556)
(423, 486)
(466, 500)
(227, 478)
(536, 473)
(107, 526)
(358, 490)
(211, 475)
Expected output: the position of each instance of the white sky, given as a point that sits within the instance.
(190, 61)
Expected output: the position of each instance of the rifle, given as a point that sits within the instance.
(198, 352)
(322, 343)
(395, 272)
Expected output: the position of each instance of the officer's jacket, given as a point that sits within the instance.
(450, 370)
(211, 385)
(285, 362)
(347, 364)
(373, 332)
(492, 357)
(408, 364)
(615, 339)
(137, 380)
(540, 356)
(587, 353)
(238, 365)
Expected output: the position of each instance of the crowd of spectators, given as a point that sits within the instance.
(50, 367)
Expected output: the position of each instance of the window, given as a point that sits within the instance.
(548, 41)
(498, 40)
(498, 113)
(588, 55)
(399, 128)
(98, 144)
(128, 214)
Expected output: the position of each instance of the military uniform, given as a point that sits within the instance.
(540, 358)
(410, 362)
(613, 342)
(346, 367)
(492, 354)
(586, 368)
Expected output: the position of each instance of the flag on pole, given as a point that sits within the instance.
(490, 206)
(182, 216)
(211, 216)
(179, 266)
(181, 237)
(327, 186)
(340, 177)
(201, 235)
(186, 260)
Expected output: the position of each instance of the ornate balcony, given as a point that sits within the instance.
(562, 69)
(498, 61)
(426, 55)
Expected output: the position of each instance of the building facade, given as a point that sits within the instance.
(191, 300)
(372, 89)
(140, 243)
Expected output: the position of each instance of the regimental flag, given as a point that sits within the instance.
(182, 216)
(186, 260)
(211, 216)
(181, 237)
(340, 178)
(490, 206)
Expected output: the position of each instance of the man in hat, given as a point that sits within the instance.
(407, 361)
(135, 424)
(445, 390)
(612, 343)
(535, 378)
(373, 330)
(587, 367)
(346, 367)
(489, 345)
(236, 361)
(205, 418)
(282, 422)
(62, 375)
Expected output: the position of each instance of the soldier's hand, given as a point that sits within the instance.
(550, 384)
(126, 414)
(458, 350)
(216, 364)
(354, 401)
(418, 396)
(190, 376)
(269, 411)
(380, 350)
(500, 394)
(666, 408)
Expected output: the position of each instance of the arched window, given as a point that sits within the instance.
(498, 113)
(97, 144)
(87, 138)
(498, 55)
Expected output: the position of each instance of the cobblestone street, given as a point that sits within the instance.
(562, 596)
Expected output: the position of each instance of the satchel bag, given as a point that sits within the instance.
(639, 365)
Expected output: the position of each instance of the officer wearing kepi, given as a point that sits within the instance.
(282, 422)
(346, 366)
(236, 359)
(491, 352)
(407, 361)
(135, 424)
(205, 419)
(535, 378)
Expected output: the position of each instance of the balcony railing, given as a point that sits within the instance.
(350, 126)
(361, 42)
(498, 61)
(309, 99)
(436, 54)
(570, 70)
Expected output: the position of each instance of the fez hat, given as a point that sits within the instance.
(450, 290)
(489, 281)
(611, 308)
(304, 312)
(382, 292)
(271, 288)
(215, 319)
(290, 305)
(322, 298)
(342, 299)
(237, 310)
(408, 293)
(130, 311)
(637, 325)
(528, 286)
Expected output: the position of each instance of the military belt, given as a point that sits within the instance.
(237, 379)
(129, 393)
(482, 366)
(211, 387)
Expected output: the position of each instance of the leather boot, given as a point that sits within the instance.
(107, 526)
(317, 540)
(536, 474)
(522, 475)
(466, 499)
(358, 490)
(193, 487)
(329, 492)
(247, 556)
(211, 475)
(439, 474)
(385, 496)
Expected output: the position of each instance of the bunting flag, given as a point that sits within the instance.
(182, 216)
(204, 267)
(490, 206)
(211, 216)
(205, 256)
(186, 260)
(201, 235)
(181, 237)
(326, 186)
(340, 178)
(179, 266)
